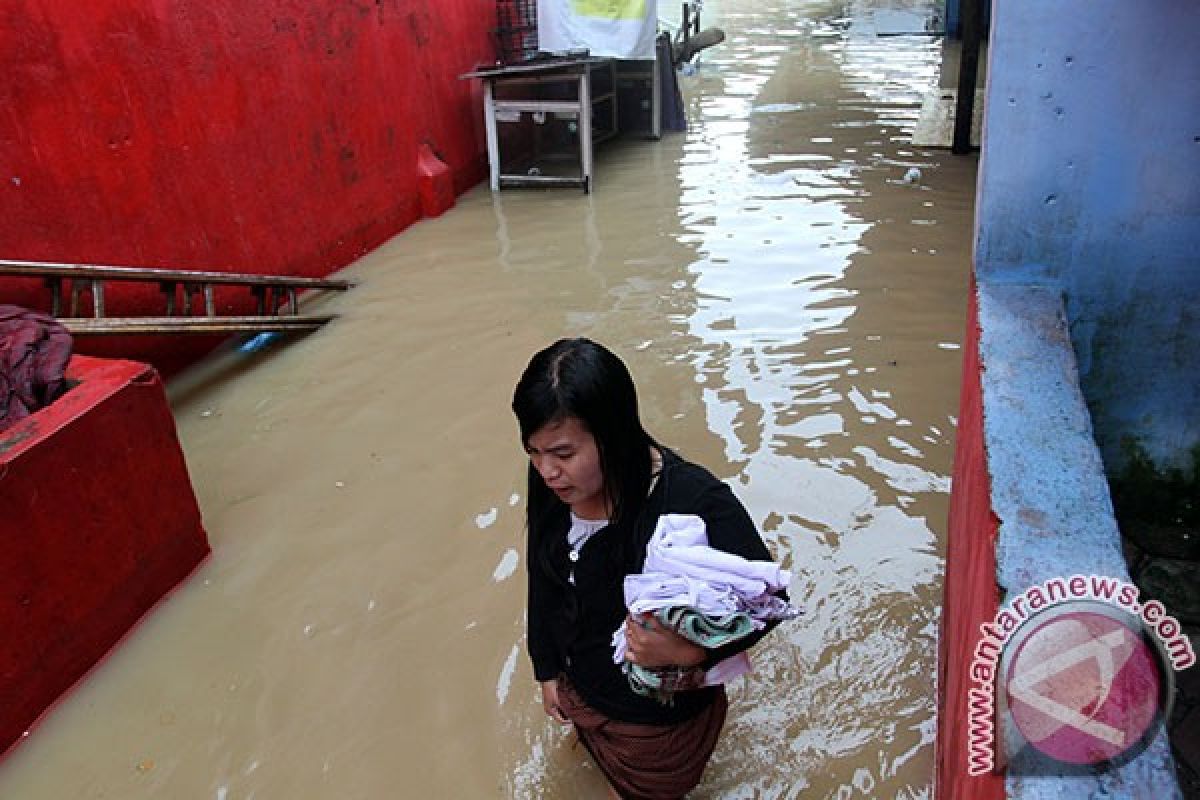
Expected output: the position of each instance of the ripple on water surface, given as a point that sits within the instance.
(821, 339)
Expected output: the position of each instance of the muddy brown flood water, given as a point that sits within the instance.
(792, 311)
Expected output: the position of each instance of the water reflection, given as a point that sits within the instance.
(819, 337)
(819, 435)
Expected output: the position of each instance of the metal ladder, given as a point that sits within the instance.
(275, 298)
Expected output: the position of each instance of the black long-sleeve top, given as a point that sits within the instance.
(571, 625)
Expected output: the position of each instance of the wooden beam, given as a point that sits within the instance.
(122, 326)
(968, 71)
(93, 272)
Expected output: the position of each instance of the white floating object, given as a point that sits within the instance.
(507, 566)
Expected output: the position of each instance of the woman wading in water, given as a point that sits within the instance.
(597, 485)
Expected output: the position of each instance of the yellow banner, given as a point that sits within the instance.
(610, 9)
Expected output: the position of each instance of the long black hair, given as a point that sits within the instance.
(582, 379)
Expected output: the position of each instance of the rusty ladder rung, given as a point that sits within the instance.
(276, 299)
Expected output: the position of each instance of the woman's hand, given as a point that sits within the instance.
(550, 701)
(649, 644)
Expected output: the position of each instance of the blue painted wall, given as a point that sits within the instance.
(1090, 180)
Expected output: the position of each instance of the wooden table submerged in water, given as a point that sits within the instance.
(583, 90)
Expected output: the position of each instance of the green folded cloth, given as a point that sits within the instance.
(707, 631)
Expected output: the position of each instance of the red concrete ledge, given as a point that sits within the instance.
(98, 521)
(1029, 504)
(970, 596)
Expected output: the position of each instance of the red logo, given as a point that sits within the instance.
(1083, 685)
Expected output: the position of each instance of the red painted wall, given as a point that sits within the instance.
(97, 522)
(273, 136)
(970, 588)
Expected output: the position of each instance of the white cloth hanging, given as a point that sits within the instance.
(611, 28)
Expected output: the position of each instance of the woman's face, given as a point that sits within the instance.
(564, 453)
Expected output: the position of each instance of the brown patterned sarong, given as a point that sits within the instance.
(646, 762)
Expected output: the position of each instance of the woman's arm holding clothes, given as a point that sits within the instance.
(731, 529)
(649, 644)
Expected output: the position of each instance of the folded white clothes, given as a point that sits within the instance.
(650, 592)
(679, 546)
(683, 570)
